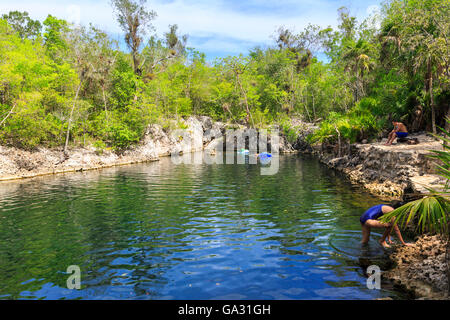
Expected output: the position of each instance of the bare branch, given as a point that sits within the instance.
(9, 113)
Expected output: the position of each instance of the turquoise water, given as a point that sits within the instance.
(166, 231)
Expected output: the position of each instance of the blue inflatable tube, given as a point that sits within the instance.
(265, 155)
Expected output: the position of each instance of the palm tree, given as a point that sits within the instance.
(433, 210)
(357, 62)
(420, 30)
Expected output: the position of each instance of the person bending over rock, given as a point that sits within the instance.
(370, 220)
(399, 131)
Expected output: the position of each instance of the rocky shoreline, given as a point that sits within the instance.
(20, 164)
(400, 171)
(422, 268)
(199, 133)
(387, 171)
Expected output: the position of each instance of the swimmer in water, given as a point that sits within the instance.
(370, 220)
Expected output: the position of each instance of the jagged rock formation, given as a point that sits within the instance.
(421, 268)
(386, 170)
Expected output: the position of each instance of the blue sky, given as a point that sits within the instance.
(215, 27)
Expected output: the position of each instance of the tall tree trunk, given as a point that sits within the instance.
(313, 106)
(305, 101)
(433, 108)
(447, 122)
(135, 60)
(70, 118)
(430, 91)
(339, 141)
(106, 109)
(136, 69)
(292, 89)
(247, 109)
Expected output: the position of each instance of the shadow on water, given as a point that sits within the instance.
(166, 231)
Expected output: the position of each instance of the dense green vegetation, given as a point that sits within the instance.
(62, 85)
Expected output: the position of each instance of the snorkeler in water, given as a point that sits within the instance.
(370, 220)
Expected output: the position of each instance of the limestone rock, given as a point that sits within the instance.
(385, 170)
(421, 268)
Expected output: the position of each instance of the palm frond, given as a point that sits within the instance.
(431, 212)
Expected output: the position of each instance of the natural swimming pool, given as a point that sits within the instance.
(166, 231)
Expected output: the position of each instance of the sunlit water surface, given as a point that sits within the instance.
(166, 231)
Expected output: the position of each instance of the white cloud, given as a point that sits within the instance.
(373, 9)
(232, 26)
(215, 19)
(99, 13)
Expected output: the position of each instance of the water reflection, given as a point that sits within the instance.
(166, 231)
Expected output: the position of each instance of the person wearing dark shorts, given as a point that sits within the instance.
(399, 131)
(370, 220)
(401, 134)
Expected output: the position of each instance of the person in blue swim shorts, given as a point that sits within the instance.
(399, 131)
(370, 220)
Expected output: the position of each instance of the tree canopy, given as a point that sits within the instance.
(63, 85)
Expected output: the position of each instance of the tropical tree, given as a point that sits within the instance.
(135, 21)
(238, 68)
(55, 38)
(357, 60)
(82, 57)
(300, 45)
(175, 42)
(157, 54)
(33, 90)
(101, 58)
(23, 24)
(421, 31)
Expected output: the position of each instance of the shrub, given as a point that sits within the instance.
(30, 126)
(353, 126)
(122, 137)
(100, 146)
